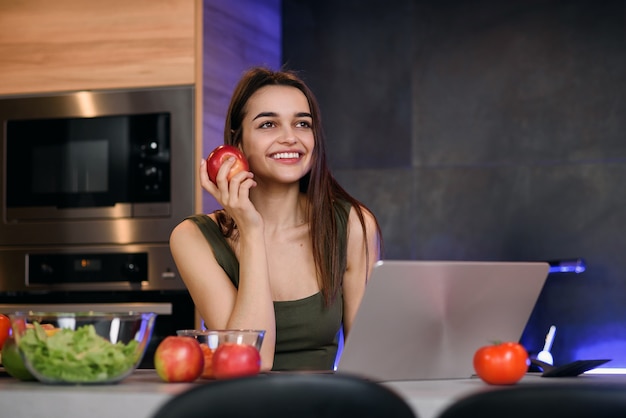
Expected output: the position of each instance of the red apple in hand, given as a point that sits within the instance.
(222, 153)
(179, 359)
(235, 360)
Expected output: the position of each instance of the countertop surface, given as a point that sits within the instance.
(141, 394)
(137, 396)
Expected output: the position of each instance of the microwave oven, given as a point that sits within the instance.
(91, 185)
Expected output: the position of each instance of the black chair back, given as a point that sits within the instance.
(566, 400)
(276, 395)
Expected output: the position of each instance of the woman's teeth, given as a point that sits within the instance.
(282, 155)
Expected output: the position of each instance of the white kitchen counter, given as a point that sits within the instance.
(141, 394)
(138, 396)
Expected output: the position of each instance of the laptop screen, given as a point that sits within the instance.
(425, 319)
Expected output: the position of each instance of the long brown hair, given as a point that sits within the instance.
(321, 188)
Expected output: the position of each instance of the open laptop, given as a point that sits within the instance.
(425, 319)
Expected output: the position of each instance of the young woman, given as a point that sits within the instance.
(291, 251)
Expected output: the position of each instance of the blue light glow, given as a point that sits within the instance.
(568, 266)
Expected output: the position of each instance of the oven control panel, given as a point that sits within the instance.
(52, 269)
(89, 268)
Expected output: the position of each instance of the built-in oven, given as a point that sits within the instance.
(91, 185)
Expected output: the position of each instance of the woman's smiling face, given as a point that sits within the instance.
(278, 138)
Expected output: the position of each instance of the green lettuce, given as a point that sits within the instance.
(80, 356)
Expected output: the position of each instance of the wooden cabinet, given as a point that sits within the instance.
(66, 45)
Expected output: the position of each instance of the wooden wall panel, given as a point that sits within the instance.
(71, 44)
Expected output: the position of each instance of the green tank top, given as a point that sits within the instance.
(307, 331)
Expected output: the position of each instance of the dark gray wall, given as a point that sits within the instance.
(484, 130)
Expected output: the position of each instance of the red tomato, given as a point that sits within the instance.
(502, 363)
(207, 373)
(5, 328)
(222, 153)
(235, 360)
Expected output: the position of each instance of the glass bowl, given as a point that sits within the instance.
(82, 347)
(213, 338)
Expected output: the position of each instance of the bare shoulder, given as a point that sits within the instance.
(185, 234)
(192, 251)
(184, 230)
(363, 243)
(355, 227)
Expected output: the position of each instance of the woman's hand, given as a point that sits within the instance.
(233, 195)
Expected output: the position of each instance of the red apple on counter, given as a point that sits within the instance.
(222, 153)
(235, 360)
(179, 359)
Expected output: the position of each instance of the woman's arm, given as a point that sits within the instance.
(208, 284)
(359, 264)
(219, 303)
